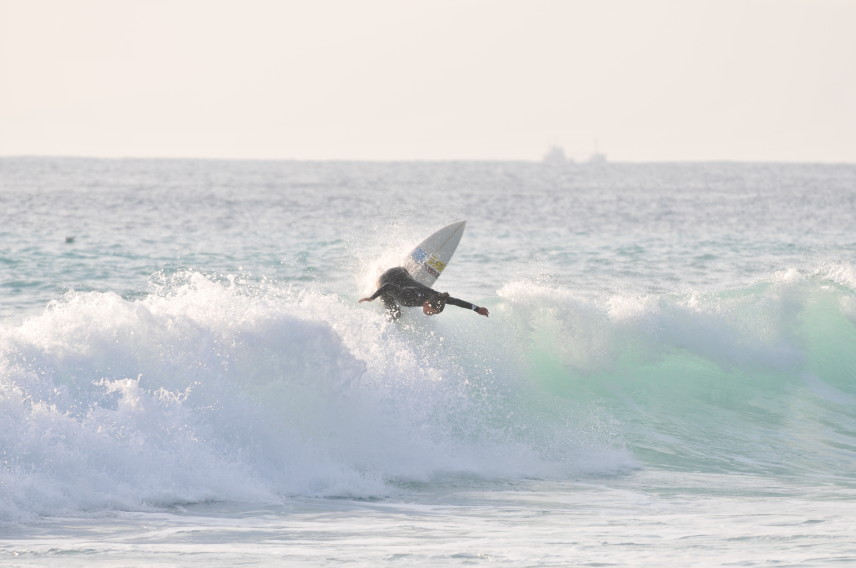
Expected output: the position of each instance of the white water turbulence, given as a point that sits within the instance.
(667, 375)
(228, 391)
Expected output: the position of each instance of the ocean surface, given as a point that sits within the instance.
(667, 376)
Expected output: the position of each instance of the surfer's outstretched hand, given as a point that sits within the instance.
(365, 300)
(482, 311)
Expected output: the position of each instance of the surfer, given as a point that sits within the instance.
(398, 288)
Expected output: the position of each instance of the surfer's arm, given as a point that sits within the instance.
(382, 290)
(467, 306)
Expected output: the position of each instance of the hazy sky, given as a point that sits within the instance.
(444, 79)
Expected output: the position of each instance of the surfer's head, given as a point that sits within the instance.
(435, 304)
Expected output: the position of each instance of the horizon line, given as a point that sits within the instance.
(568, 162)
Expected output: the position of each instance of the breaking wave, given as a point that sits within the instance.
(212, 388)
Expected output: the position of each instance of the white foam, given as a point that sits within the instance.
(220, 389)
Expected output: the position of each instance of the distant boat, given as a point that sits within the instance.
(556, 156)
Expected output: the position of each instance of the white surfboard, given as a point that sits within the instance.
(426, 262)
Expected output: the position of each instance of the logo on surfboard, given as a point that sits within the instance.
(430, 263)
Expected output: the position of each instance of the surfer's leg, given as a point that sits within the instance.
(393, 310)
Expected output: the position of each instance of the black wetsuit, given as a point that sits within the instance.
(398, 288)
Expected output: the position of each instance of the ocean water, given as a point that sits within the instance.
(667, 376)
